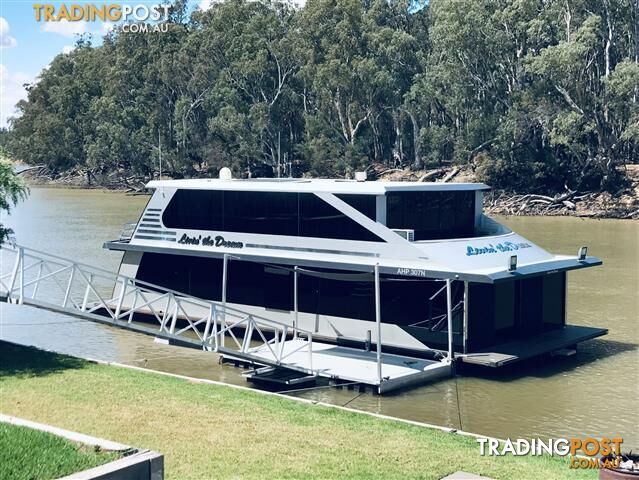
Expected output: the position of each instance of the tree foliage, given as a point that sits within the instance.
(12, 190)
(536, 95)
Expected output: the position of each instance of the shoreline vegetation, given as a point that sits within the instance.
(205, 429)
(536, 98)
(586, 204)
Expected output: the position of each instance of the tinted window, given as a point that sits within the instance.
(365, 204)
(433, 215)
(197, 276)
(321, 220)
(195, 209)
(268, 213)
(271, 213)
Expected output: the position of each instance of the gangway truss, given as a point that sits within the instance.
(39, 279)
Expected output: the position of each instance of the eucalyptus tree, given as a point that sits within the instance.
(53, 121)
(589, 82)
(246, 52)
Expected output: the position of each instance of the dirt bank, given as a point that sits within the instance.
(624, 204)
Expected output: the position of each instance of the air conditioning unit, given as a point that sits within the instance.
(406, 233)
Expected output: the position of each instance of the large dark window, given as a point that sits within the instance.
(433, 215)
(195, 209)
(268, 213)
(321, 220)
(271, 213)
(337, 293)
(197, 276)
(365, 204)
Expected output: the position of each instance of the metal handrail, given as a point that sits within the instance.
(103, 273)
(165, 305)
(127, 231)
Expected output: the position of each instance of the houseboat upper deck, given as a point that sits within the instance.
(420, 229)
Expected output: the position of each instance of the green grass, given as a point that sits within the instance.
(209, 431)
(27, 454)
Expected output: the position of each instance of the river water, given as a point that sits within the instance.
(595, 393)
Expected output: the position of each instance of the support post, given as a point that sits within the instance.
(378, 321)
(87, 291)
(37, 282)
(174, 316)
(68, 290)
(296, 318)
(134, 306)
(449, 312)
(118, 307)
(207, 326)
(14, 274)
(21, 260)
(224, 279)
(215, 336)
(465, 317)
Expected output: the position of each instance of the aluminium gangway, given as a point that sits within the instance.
(58, 284)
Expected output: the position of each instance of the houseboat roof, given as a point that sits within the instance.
(313, 185)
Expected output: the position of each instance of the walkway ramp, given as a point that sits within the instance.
(58, 284)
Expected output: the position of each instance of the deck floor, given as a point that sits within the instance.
(540, 344)
(356, 365)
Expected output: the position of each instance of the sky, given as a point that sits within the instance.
(28, 46)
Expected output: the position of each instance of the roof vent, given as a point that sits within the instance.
(225, 173)
(360, 176)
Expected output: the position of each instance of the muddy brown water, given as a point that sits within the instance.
(595, 393)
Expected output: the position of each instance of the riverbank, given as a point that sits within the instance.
(210, 430)
(623, 205)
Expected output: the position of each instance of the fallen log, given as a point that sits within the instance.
(432, 174)
(452, 174)
(28, 169)
(391, 170)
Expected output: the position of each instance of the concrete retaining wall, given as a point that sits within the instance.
(136, 465)
(143, 465)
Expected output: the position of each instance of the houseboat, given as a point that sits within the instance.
(266, 239)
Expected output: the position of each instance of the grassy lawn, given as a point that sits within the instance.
(29, 454)
(209, 431)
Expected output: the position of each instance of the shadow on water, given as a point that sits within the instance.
(548, 366)
(18, 360)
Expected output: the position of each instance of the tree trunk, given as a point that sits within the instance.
(568, 18)
(417, 159)
(606, 4)
(397, 147)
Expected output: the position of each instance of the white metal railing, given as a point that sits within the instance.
(38, 278)
(127, 231)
